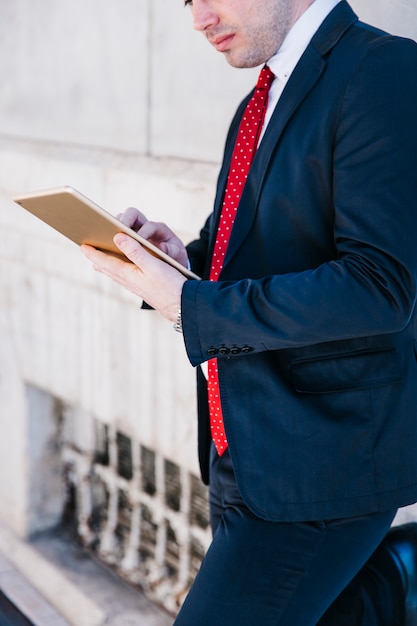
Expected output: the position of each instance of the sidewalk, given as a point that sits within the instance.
(55, 583)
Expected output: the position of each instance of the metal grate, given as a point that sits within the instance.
(143, 514)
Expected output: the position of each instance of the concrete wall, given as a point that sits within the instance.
(131, 77)
(395, 16)
(124, 101)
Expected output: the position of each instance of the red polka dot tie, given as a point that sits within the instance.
(243, 153)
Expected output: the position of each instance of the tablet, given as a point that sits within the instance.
(84, 222)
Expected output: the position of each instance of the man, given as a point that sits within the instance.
(306, 317)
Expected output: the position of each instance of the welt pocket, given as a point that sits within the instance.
(353, 371)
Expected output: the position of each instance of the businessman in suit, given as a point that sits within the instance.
(310, 323)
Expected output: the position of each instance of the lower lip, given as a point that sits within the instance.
(224, 44)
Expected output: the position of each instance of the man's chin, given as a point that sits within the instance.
(240, 61)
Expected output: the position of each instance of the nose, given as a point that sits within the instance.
(203, 15)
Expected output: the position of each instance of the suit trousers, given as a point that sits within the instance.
(317, 573)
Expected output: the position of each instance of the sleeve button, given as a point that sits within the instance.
(247, 349)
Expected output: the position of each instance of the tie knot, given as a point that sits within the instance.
(265, 78)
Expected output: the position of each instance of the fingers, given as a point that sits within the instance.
(175, 250)
(132, 218)
(157, 233)
(102, 260)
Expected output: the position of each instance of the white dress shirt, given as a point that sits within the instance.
(284, 61)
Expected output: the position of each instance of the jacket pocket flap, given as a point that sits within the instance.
(359, 370)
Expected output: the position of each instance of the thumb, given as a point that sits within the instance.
(130, 248)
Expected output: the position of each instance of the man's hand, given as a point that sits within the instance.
(157, 233)
(159, 284)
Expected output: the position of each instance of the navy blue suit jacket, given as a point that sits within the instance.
(313, 321)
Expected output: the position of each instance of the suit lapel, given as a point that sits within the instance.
(305, 76)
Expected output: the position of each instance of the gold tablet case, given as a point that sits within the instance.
(68, 211)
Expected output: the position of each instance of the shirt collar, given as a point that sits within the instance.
(286, 58)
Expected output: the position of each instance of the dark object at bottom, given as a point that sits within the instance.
(401, 542)
(10, 615)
